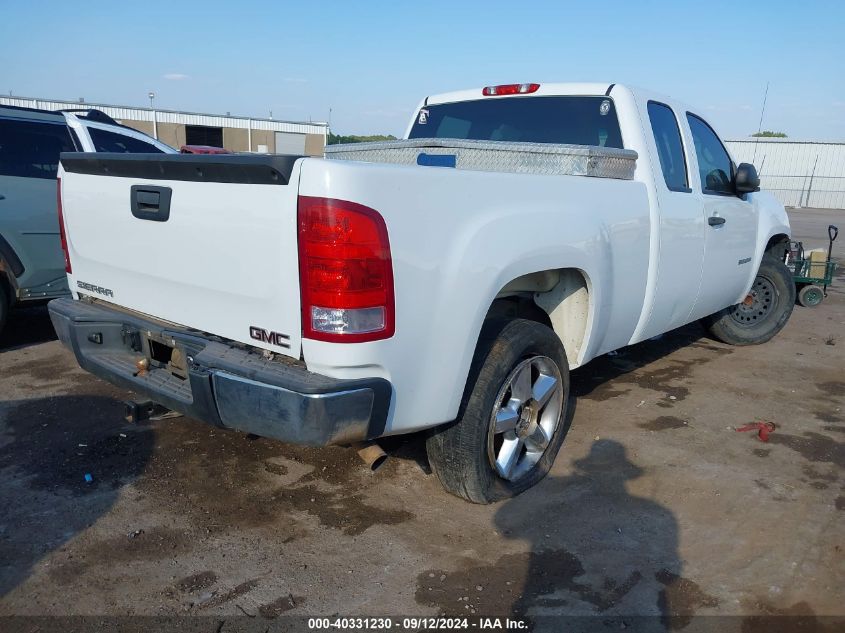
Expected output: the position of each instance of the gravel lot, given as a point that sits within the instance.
(655, 506)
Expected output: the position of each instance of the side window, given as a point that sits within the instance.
(30, 149)
(714, 164)
(110, 142)
(670, 150)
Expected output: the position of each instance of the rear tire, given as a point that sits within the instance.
(513, 418)
(765, 311)
(810, 296)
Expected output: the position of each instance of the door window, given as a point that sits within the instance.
(30, 149)
(670, 150)
(714, 163)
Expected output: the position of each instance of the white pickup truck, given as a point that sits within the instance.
(448, 281)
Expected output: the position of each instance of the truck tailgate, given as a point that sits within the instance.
(219, 256)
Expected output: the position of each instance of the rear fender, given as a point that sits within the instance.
(456, 247)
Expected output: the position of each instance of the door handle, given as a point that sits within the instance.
(149, 202)
(715, 220)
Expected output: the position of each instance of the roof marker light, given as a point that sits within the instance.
(509, 89)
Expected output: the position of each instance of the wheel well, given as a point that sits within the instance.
(778, 245)
(556, 298)
(518, 307)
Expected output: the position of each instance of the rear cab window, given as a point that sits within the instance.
(30, 149)
(576, 120)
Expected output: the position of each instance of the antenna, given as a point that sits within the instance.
(760, 124)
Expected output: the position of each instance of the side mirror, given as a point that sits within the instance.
(746, 179)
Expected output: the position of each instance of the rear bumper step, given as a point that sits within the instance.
(224, 385)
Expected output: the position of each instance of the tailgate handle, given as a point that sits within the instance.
(149, 202)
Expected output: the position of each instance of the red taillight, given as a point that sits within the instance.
(510, 89)
(345, 272)
(62, 234)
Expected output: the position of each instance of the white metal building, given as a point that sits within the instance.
(799, 173)
(239, 134)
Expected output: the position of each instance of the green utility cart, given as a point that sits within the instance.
(813, 276)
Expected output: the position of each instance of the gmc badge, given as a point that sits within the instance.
(268, 336)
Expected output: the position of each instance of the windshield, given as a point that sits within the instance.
(575, 120)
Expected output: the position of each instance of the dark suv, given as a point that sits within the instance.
(31, 262)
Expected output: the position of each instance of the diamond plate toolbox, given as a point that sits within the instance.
(498, 156)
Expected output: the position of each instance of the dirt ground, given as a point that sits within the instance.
(655, 506)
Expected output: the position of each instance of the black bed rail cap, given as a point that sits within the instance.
(246, 169)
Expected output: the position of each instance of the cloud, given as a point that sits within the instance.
(175, 77)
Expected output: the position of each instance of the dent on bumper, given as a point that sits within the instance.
(226, 386)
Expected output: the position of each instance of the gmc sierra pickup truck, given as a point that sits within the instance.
(448, 281)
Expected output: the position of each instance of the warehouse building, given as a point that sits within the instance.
(798, 173)
(235, 133)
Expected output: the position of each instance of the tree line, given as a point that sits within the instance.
(338, 139)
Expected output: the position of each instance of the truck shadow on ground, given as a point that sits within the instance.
(593, 549)
(44, 460)
(609, 376)
(25, 327)
(612, 374)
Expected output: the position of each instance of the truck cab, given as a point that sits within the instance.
(703, 233)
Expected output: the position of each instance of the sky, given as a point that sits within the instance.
(365, 65)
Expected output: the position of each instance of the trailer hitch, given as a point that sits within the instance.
(136, 412)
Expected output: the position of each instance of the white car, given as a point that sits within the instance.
(448, 281)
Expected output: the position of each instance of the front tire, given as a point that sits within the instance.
(513, 418)
(764, 311)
